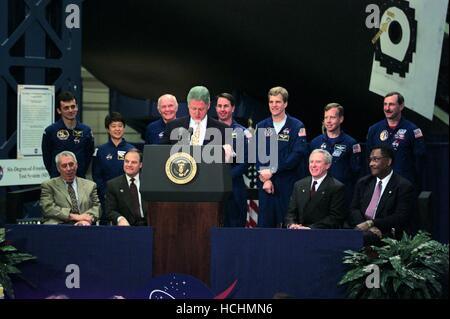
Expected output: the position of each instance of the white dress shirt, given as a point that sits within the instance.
(319, 181)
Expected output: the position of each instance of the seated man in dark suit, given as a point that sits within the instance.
(124, 206)
(203, 129)
(318, 201)
(383, 201)
(68, 199)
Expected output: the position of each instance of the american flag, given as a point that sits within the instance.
(252, 202)
(252, 213)
(250, 180)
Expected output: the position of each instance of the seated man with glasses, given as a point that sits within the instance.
(383, 201)
(68, 199)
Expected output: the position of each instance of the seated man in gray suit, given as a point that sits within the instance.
(317, 200)
(383, 201)
(123, 201)
(68, 199)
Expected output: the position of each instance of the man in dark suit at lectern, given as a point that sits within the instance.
(198, 128)
(124, 206)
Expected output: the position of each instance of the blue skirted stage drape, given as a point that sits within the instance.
(113, 260)
(265, 262)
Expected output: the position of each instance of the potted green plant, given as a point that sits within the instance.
(413, 267)
(9, 259)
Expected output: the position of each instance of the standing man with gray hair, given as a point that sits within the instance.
(68, 199)
(167, 107)
(317, 200)
(198, 123)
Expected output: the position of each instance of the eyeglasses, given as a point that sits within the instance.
(376, 159)
(70, 164)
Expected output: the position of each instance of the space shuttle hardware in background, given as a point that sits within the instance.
(347, 51)
(408, 51)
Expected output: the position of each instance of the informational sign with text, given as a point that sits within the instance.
(35, 111)
(27, 171)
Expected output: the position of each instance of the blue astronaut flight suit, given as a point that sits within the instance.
(292, 152)
(57, 138)
(107, 163)
(346, 164)
(155, 131)
(236, 205)
(408, 143)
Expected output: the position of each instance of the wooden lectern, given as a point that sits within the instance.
(182, 214)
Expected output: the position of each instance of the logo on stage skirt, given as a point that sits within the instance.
(181, 168)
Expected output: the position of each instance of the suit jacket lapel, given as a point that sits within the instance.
(386, 194)
(83, 200)
(186, 121)
(368, 195)
(80, 192)
(62, 188)
(126, 193)
(208, 125)
(304, 194)
(143, 203)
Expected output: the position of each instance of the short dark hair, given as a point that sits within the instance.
(386, 151)
(135, 150)
(65, 96)
(227, 96)
(400, 98)
(114, 117)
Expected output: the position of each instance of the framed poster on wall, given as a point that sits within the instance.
(35, 111)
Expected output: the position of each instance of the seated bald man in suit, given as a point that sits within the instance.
(68, 199)
(317, 201)
(383, 201)
(123, 202)
(198, 128)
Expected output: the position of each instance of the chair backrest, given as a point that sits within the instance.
(424, 218)
(15, 201)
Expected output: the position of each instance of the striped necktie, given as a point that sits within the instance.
(73, 198)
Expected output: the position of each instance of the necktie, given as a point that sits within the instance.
(135, 199)
(313, 189)
(196, 136)
(372, 208)
(73, 198)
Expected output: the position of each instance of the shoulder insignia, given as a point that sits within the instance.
(356, 148)
(418, 133)
(302, 132)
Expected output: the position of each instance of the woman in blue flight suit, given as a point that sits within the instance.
(108, 158)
